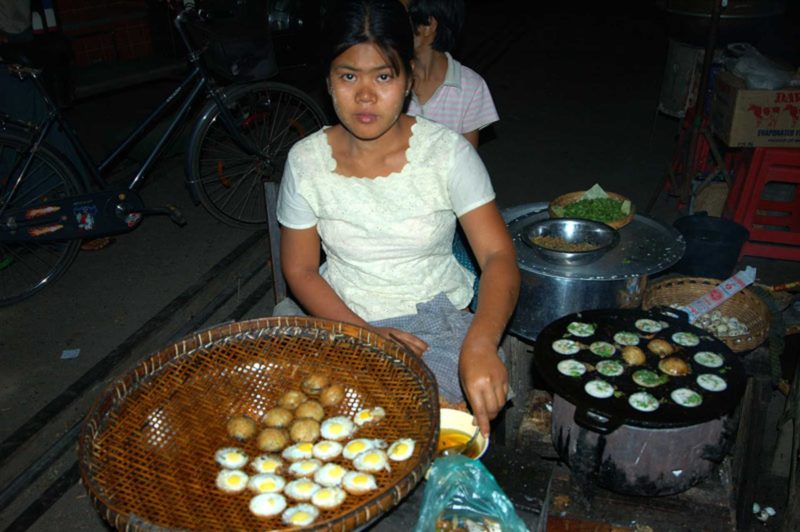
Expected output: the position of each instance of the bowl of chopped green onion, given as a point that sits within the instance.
(614, 210)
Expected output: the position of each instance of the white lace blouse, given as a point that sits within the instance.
(388, 240)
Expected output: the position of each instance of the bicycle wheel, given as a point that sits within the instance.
(229, 182)
(27, 267)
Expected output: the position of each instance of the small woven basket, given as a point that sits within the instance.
(572, 197)
(747, 307)
(147, 446)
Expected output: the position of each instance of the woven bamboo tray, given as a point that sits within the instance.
(745, 305)
(147, 446)
(572, 197)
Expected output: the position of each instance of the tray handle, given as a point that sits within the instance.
(595, 421)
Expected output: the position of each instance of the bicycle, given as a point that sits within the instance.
(240, 139)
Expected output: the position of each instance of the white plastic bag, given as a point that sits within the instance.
(758, 71)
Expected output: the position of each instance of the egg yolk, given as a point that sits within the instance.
(400, 450)
(360, 479)
(364, 415)
(336, 428)
(300, 517)
(325, 495)
(356, 447)
(267, 485)
(232, 457)
(372, 459)
(325, 447)
(304, 487)
(233, 481)
(305, 447)
(307, 466)
(336, 471)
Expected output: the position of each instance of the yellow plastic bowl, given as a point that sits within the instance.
(457, 420)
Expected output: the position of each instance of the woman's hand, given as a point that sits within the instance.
(407, 340)
(484, 379)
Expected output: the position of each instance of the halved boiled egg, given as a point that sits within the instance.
(231, 458)
(401, 450)
(232, 480)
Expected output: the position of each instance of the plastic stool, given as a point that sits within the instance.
(774, 224)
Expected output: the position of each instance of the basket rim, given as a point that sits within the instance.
(572, 197)
(121, 387)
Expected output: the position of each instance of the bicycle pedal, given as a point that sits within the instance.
(175, 215)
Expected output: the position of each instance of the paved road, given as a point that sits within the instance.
(577, 96)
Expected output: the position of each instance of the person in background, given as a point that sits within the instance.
(444, 90)
(381, 192)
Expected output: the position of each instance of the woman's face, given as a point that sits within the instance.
(367, 94)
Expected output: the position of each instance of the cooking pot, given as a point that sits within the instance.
(618, 279)
(662, 449)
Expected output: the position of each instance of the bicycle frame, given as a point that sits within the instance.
(114, 209)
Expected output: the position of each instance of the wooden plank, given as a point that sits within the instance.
(519, 360)
(274, 230)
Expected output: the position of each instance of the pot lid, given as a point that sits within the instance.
(581, 357)
(646, 246)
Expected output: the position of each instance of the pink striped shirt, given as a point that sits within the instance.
(463, 102)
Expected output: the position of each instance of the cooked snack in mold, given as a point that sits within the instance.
(304, 430)
(358, 482)
(298, 451)
(272, 439)
(328, 498)
(332, 395)
(401, 450)
(301, 489)
(633, 355)
(660, 347)
(267, 463)
(603, 349)
(330, 475)
(686, 339)
(369, 415)
(292, 399)
(686, 397)
(648, 326)
(372, 461)
(231, 457)
(277, 417)
(267, 504)
(599, 388)
(674, 366)
(581, 329)
(708, 359)
(566, 347)
(643, 401)
(648, 379)
(337, 428)
(571, 368)
(626, 338)
(314, 384)
(266, 483)
(305, 468)
(241, 428)
(711, 382)
(327, 450)
(610, 368)
(300, 515)
(232, 480)
(310, 409)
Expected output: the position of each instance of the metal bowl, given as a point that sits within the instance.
(573, 231)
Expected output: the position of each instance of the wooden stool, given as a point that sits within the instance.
(774, 224)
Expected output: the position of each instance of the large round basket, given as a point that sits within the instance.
(747, 307)
(572, 197)
(147, 447)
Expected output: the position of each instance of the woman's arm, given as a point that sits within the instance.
(300, 260)
(473, 137)
(483, 375)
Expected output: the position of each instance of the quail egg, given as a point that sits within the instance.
(267, 463)
(292, 399)
(267, 504)
(231, 458)
(300, 515)
(328, 498)
(401, 450)
(272, 439)
(358, 482)
(372, 461)
(277, 417)
(232, 480)
(369, 415)
(314, 384)
(266, 483)
(332, 395)
(359, 445)
(305, 468)
(298, 451)
(241, 428)
(337, 428)
(301, 489)
(327, 450)
(330, 475)
(310, 409)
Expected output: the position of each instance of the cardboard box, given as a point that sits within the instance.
(745, 117)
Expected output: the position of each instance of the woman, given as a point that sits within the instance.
(381, 192)
(446, 91)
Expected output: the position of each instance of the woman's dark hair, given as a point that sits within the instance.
(449, 15)
(384, 23)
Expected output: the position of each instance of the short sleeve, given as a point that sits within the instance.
(480, 110)
(294, 211)
(468, 184)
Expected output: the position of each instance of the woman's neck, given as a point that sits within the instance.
(430, 69)
(375, 157)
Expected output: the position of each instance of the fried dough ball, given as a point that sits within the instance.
(311, 409)
(272, 439)
(314, 384)
(674, 366)
(277, 417)
(292, 399)
(660, 347)
(332, 395)
(633, 355)
(241, 428)
(304, 430)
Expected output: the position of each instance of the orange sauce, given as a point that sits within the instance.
(452, 437)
